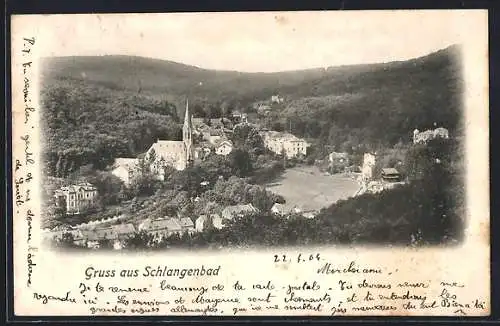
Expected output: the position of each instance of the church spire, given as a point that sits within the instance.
(187, 134)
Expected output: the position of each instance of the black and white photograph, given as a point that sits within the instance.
(312, 163)
(177, 137)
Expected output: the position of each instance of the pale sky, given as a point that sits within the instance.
(260, 41)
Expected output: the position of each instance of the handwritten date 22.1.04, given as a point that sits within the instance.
(299, 258)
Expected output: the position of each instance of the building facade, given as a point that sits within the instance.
(76, 199)
(285, 143)
(369, 160)
(177, 154)
(224, 147)
(126, 169)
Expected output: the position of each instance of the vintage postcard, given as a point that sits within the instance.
(320, 163)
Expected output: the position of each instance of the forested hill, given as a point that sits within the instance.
(175, 79)
(97, 108)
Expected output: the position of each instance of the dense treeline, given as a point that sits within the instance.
(381, 107)
(87, 124)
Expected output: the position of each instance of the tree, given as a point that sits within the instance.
(240, 162)
(139, 240)
(152, 156)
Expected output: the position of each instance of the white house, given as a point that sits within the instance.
(277, 99)
(425, 136)
(76, 199)
(280, 142)
(126, 169)
(223, 147)
(186, 224)
(338, 157)
(369, 160)
(217, 221)
(285, 209)
(202, 223)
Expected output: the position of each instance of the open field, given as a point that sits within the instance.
(311, 189)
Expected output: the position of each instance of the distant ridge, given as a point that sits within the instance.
(157, 76)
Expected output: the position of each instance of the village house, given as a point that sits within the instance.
(164, 227)
(369, 160)
(309, 214)
(277, 99)
(76, 199)
(223, 147)
(216, 123)
(217, 221)
(213, 136)
(338, 158)
(202, 151)
(280, 142)
(126, 169)
(426, 136)
(391, 175)
(238, 211)
(285, 209)
(239, 117)
(205, 221)
(115, 234)
(202, 223)
(187, 225)
(263, 109)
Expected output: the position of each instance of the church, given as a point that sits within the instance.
(177, 154)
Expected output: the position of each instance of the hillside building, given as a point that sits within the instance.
(126, 169)
(76, 199)
(162, 227)
(285, 209)
(284, 143)
(223, 147)
(391, 175)
(238, 211)
(427, 135)
(369, 160)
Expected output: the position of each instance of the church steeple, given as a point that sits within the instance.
(187, 134)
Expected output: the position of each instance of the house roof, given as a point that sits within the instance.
(230, 211)
(221, 142)
(170, 224)
(390, 171)
(285, 208)
(124, 228)
(216, 132)
(75, 188)
(99, 234)
(338, 155)
(276, 135)
(202, 218)
(186, 222)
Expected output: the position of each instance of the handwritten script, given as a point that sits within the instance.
(349, 289)
(24, 160)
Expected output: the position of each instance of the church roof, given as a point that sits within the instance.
(187, 115)
(168, 146)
